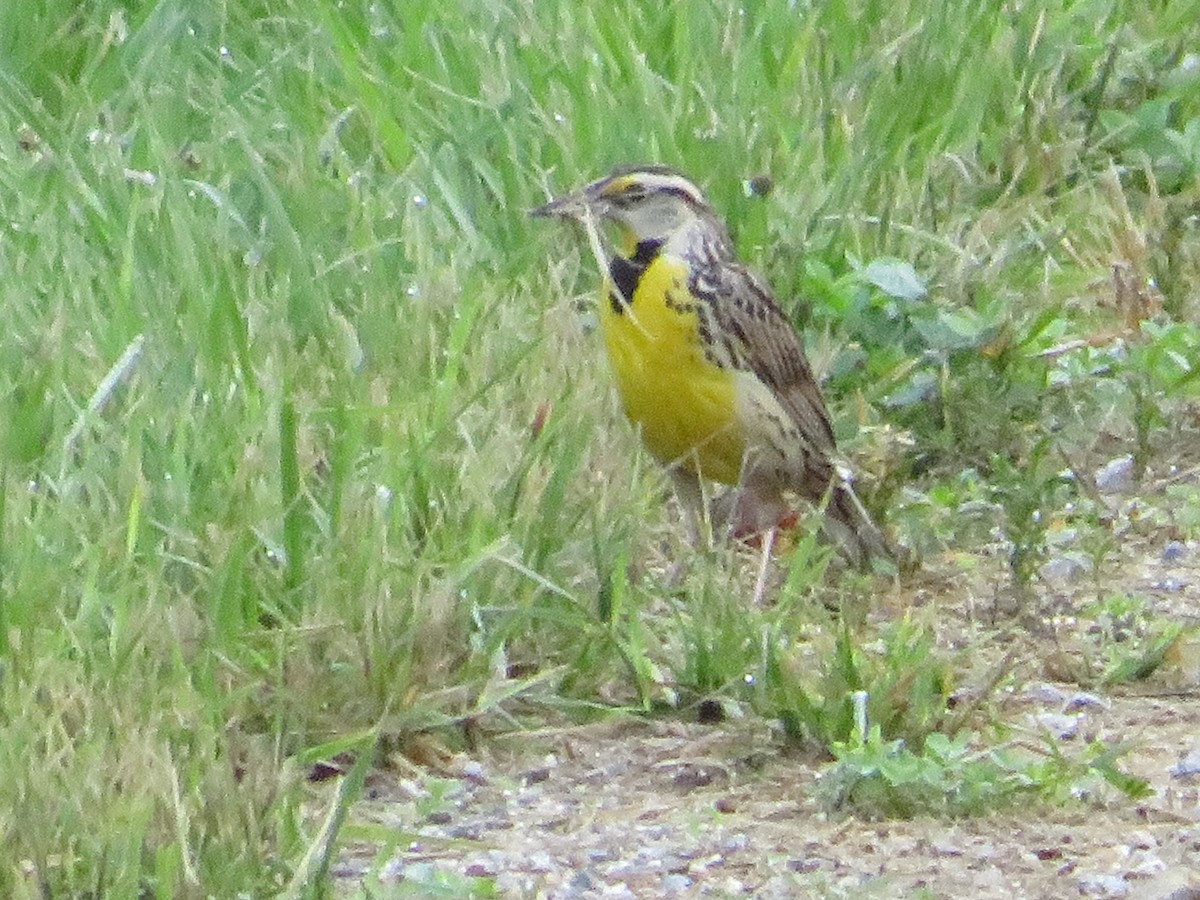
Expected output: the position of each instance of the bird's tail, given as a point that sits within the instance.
(850, 526)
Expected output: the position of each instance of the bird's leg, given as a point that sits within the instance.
(694, 500)
(764, 565)
(759, 512)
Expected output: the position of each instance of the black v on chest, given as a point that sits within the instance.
(627, 271)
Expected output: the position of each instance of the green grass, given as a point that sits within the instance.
(316, 505)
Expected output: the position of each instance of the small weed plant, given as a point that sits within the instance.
(955, 777)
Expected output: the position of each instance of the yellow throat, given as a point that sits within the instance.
(683, 402)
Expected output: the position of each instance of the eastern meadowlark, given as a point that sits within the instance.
(706, 363)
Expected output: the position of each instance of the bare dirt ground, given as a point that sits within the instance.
(637, 808)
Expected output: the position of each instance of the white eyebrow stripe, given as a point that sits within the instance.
(676, 183)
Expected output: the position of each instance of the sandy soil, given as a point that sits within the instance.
(636, 808)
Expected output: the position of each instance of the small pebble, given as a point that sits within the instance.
(349, 869)
(1115, 476)
(603, 854)
(1174, 552)
(1103, 886)
(946, 848)
(690, 777)
(584, 881)
(1142, 840)
(1061, 726)
(804, 866)
(473, 770)
(1064, 569)
(1146, 865)
(1082, 700)
(675, 884)
(1188, 766)
(392, 870)
(1046, 693)
(735, 842)
(1171, 585)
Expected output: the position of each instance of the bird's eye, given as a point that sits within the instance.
(633, 194)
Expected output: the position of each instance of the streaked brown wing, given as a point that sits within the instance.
(767, 343)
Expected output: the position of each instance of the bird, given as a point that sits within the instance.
(708, 366)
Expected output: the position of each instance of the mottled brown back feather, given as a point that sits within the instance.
(770, 346)
(765, 342)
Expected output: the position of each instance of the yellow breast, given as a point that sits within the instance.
(685, 405)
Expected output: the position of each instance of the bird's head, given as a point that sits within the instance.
(645, 203)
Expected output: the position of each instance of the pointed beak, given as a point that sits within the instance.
(586, 207)
(572, 206)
